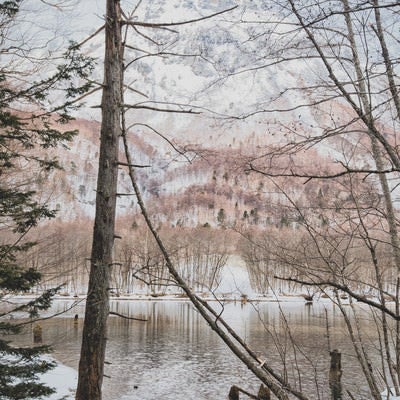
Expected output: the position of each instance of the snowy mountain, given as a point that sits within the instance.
(217, 69)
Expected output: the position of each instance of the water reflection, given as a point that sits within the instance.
(174, 355)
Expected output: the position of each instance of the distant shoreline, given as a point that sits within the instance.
(235, 298)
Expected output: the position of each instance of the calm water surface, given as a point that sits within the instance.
(175, 356)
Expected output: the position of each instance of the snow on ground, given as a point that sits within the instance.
(391, 397)
(62, 378)
(235, 279)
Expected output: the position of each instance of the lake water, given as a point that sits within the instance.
(175, 355)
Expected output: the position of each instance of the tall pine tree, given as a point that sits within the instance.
(28, 126)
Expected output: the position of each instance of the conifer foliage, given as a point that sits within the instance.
(29, 124)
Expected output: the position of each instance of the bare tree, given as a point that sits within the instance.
(351, 232)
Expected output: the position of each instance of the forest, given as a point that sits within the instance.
(147, 148)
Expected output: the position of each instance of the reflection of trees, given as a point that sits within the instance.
(181, 342)
(178, 351)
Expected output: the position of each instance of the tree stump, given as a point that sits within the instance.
(335, 375)
(264, 393)
(234, 393)
(37, 334)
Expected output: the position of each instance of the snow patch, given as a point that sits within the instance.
(390, 396)
(235, 279)
(62, 378)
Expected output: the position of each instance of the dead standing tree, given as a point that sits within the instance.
(91, 363)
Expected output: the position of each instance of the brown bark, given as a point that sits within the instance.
(91, 364)
(335, 375)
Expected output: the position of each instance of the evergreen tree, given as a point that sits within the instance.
(27, 124)
(221, 216)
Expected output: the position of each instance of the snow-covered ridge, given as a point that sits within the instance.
(210, 76)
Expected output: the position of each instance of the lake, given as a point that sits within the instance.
(175, 355)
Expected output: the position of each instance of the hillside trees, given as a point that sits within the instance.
(199, 254)
(27, 128)
(60, 253)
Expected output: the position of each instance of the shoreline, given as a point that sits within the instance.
(242, 299)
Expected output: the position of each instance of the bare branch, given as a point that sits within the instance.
(325, 176)
(167, 110)
(133, 165)
(91, 36)
(345, 289)
(163, 25)
(126, 317)
(179, 151)
(73, 305)
(126, 86)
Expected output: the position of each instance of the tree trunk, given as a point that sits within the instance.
(335, 375)
(91, 364)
